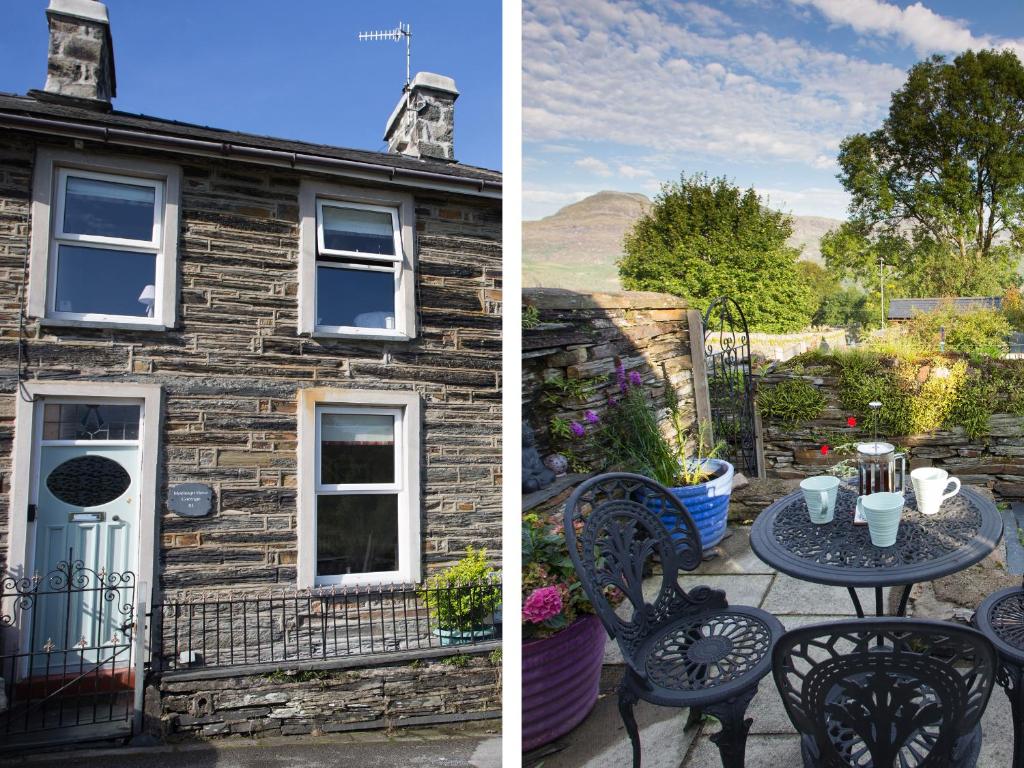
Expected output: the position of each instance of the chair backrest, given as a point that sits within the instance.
(614, 537)
(887, 692)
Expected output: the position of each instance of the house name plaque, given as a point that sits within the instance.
(190, 499)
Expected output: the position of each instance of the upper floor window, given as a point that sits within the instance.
(104, 241)
(357, 276)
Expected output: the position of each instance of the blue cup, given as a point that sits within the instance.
(820, 496)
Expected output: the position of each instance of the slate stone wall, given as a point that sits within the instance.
(994, 460)
(579, 337)
(300, 702)
(231, 368)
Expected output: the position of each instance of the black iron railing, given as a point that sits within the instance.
(195, 630)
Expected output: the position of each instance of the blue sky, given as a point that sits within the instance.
(289, 69)
(626, 94)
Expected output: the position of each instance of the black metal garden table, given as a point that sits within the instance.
(964, 531)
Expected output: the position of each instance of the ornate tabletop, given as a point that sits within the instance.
(966, 529)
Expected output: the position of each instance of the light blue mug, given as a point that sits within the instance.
(820, 496)
(882, 511)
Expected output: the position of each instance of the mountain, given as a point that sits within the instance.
(577, 247)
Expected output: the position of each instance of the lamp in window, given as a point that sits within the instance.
(148, 297)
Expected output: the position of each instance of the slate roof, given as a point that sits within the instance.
(904, 309)
(27, 105)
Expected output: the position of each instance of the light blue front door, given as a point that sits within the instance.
(86, 521)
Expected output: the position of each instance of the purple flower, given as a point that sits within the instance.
(634, 378)
(590, 417)
(542, 604)
(620, 376)
(613, 402)
(577, 429)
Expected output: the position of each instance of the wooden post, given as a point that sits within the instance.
(702, 400)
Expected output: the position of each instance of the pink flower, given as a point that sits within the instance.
(851, 422)
(542, 604)
(824, 450)
(577, 429)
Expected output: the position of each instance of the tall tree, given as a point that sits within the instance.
(938, 191)
(705, 238)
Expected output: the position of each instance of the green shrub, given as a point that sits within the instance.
(791, 401)
(977, 333)
(462, 596)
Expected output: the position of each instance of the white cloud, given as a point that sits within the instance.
(916, 25)
(646, 75)
(629, 172)
(810, 201)
(593, 165)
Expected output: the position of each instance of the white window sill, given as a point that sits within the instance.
(325, 333)
(125, 325)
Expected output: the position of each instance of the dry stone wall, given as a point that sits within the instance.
(231, 368)
(994, 460)
(580, 336)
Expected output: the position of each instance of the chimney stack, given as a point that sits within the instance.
(80, 64)
(423, 122)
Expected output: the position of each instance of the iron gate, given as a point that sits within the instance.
(730, 386)
(67, 651)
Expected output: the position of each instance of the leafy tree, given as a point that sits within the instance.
(705, 238)
(938, 191)
(848, 307)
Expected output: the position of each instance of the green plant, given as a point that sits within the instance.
(705, 237)
(530, 317)
(463, 595)
(459, 660)
(791, 401)
(297, 676)
(693, 464)
(494, 657)
(975, 333)
(560, 391)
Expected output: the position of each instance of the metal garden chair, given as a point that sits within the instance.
(1000, 617)
(682, 649)
(889, 693)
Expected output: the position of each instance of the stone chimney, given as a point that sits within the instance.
(80, 64)
(423, 122)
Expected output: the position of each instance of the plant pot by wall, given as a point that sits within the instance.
(463, 636)
(707, 503)
(561, 675)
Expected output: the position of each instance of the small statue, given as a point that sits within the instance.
(535, 474)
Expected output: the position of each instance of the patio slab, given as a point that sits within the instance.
(793, 596)
(763, 751)
(601, 741)
(735, 556)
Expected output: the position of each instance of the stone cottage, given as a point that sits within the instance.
(247, 366)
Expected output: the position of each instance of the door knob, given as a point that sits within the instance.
(116, 519)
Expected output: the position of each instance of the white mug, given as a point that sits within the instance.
(930, 485)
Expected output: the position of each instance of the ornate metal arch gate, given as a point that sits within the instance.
(730, 385)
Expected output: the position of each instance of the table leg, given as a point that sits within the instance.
(856, 602)
(1010, 679)
(902, 610)
(879, 608)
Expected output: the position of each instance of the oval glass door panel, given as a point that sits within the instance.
(88, 481)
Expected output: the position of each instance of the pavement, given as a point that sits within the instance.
(601, 740)
(475, 746)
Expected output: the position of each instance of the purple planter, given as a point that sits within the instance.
(561, 674)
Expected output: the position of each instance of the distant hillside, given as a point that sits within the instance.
(577, 247)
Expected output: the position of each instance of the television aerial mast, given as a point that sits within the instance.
(396, 34)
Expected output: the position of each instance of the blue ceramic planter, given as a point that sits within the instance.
(707, 503)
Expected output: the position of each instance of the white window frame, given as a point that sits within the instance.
(52, 169)
(313, 197)
(405, 407)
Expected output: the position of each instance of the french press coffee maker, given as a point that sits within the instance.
(876, 463)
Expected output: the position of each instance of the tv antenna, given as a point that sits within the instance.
(396, 34)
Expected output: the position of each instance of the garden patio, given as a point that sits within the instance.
(601, 740)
